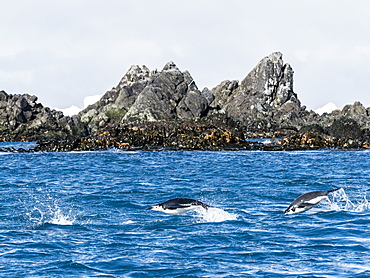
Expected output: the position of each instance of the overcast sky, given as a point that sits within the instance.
(64, 51)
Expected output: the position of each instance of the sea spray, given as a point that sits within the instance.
(341, 202)
(215, 215)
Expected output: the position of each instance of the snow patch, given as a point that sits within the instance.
(91, 100)
(327, 108)
(73, 110)
(70, 111)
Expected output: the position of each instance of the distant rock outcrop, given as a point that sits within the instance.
(263, 100)
(166, 108)
(22, 118)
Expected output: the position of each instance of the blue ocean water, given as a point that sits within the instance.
(84, 214)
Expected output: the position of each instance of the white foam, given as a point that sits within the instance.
(215, 215)
(128, 222)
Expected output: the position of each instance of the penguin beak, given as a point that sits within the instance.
(289, 210)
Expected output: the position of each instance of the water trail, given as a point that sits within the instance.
(341, 202)
(215, 215)
(35, 216)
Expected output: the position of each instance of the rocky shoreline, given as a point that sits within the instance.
(156, 110)
(191, 136)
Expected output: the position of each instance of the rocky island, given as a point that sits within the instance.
(151, 109)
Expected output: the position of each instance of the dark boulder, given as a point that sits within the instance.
(315, 128)
(23, 119)
(345, 128)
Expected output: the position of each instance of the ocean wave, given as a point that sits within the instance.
(71, 214)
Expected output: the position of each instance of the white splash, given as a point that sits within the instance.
(58, 218)
(215, 215)
(341, 202)
(49, 215)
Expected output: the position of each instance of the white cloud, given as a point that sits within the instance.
(24, 76)
(10, 50)
(73, 49)
(302, 54)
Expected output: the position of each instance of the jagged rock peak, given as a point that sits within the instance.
(356, 108)
(3, 95)
(135, 74)
(170, 66)
(171, 95)
(142, 73)
(265, 94)
(272, 78)
(275, 57)
(266, 74)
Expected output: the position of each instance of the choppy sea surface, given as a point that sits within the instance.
(84, 214)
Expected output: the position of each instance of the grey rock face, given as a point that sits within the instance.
(263, 100)
(358, 113)
(114, 104)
